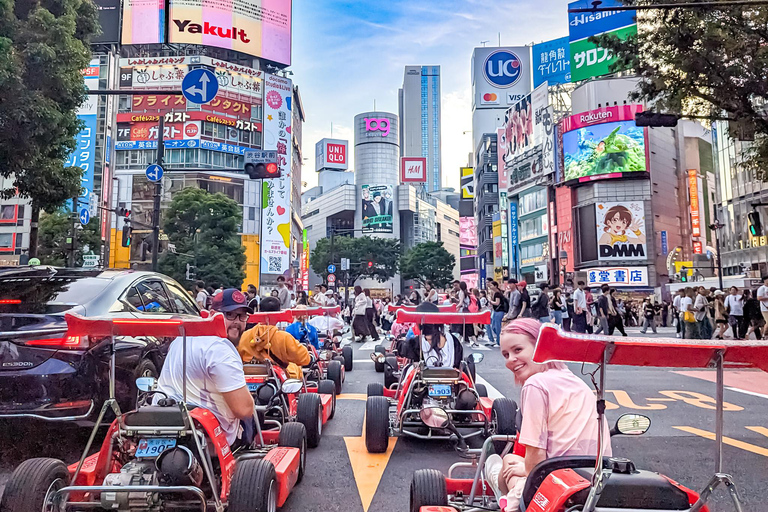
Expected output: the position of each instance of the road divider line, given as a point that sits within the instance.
(759, 450)
(362, 361)
(753, 393)
(492, 391)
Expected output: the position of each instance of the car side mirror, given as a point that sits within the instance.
(434, 417)
(476, 357)
(632, 425)
(326, 355)
(146, 384)
(291, 386)
(378, 358)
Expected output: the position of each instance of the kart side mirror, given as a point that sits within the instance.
(146, 383)
(434, 417)
(476, 357)
(631, 425)
(378, 358)
(326, 355)
(291, 386)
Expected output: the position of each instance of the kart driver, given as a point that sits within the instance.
(440, 348)
(264, 342)
(558, 411)
(302, 331)
(215, 379)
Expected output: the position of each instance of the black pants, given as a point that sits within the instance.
(614, 322)
(579, 322)
(369, 314)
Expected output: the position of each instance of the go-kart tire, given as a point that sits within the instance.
(294, 435)
(347, 354)
(428, 489)
(335, 374)
(28, 486)
(471, 369)
(379, 367)
(504, 412)
(389, 371)
(327, 387)
(254, 487)
(309, 412)
(376, 424)
(481, 390)
(375, 389)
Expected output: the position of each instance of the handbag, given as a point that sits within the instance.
(689, 317)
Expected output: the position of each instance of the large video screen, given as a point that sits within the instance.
(601, 149)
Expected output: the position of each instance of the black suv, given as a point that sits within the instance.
(47, 375)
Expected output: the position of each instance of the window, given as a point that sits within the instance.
(7, 212)
(6, 240)
(131, 301)
(154, 298)
(533, 201)
(182, 300)
(251, 213)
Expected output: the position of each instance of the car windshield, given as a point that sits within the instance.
(47, 294)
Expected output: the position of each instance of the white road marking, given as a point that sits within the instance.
(492, 391)
(362, 361)
(753, 393)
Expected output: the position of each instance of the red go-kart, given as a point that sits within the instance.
(595, 484)
(161, 457)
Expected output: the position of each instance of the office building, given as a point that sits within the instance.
(419, 104)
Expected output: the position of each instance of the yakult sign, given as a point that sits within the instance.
(331, 154)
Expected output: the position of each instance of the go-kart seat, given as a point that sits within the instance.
(155, 416)
(256, 370)
(440, 374)
(545, 467)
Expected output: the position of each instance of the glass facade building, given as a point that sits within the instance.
(419, 104)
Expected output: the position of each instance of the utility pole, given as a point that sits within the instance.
(158, 191)
(716, 226)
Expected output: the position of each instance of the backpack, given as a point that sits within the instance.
(208, 301)
(473, 306)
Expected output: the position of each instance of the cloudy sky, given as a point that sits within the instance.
(346, 54)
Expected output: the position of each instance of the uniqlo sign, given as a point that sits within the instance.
(413, 169)
(331, 154)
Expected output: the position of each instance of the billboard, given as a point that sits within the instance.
(261, 29)
(377, 208)
(617, 276)
(276, 192)
(603, 143)
(621, 232)
(501, 76)
(109, 20)
(551, 62)
(413, 169)
(524, 123)
(467, 183)
(468, 235)
(587, 59)
(693, 190)
(332, 154)
(143, 22)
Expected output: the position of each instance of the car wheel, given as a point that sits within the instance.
(29, 486)
(428, 489)
(347, 354)
(335, 374)
(376, 424)
(294, 435)
(309, 412)
(327, 387)
(375, 389)
(481, 390)
(389, 372)
(379, 367)
(253, 487)
(503, 416)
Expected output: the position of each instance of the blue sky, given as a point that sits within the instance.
(346, 54)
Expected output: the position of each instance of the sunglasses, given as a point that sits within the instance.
(232, 315)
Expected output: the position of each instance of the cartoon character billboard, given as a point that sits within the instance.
(377, 208)
(621, 231)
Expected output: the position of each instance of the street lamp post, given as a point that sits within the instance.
(563, 265)
(716, 226)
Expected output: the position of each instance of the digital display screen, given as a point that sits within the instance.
(603, 149)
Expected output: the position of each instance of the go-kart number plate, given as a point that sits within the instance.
(439, 390)
(154, 446)
(253, 386)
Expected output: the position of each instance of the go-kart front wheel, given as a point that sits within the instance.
(335, 374)
(374, 389)
(428, 489)
(376, 424)
(503, 414)
(253, 487)
(31, 483)
(309, 412)
(294, 435)
(347, 354)
(327, 387)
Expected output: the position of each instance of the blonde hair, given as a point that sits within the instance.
(530, 327)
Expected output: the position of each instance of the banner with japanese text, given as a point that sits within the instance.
(85, 152)
(276, 192)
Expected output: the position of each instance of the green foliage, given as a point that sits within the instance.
(53, 232)
(428, 261)
(384, 253)
(215, 219)
(703, 62)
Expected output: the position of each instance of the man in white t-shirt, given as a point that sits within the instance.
(735, 305)
(678, 312)
(762, 296)
(215, 378)
(201, 295)
(580, 309)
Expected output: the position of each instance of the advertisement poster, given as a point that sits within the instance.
(261, 28)
(377, 208)
(693, 190)
(85, 152)
(467, 183)
(552, 62)
(109, 19)
(304, 264)
(524, 123)
(276, 192)
(143, 21)
(468, 235)
(621, 231)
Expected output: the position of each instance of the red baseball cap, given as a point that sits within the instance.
(522, 284)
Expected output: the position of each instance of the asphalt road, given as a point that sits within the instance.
(342, 476)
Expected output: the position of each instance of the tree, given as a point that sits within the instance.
(705, 61)
(54, 230)
(204, 228)
(383, 253)
(44, 46)
(428, 261)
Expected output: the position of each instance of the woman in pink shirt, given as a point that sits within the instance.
(558, 409)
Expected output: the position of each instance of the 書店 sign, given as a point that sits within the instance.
(617, 276)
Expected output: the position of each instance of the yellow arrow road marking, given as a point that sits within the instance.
(727, 440)
(759, 430)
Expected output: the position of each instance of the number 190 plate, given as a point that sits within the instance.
(439, 390)
(154, 446)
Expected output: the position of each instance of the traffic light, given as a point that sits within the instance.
(655, 119)
(370, 264)
(262, 171)
(190, 274)
(755, 226)
(127, 233)
(683, 275)
(123, 212)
